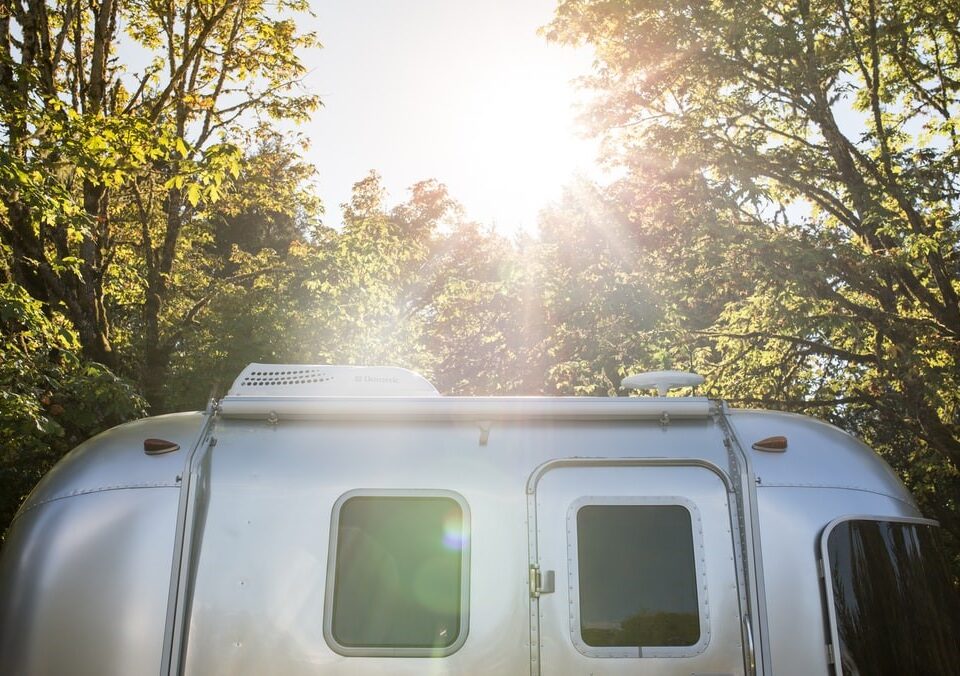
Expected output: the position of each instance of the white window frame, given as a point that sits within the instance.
(380, 651)
(573, 581)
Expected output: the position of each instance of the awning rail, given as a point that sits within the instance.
(468, 408)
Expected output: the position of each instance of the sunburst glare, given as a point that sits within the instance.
(468, 93)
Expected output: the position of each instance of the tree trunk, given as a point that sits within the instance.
(153, 377)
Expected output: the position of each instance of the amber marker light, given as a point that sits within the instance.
(771, 445)
(159, 446)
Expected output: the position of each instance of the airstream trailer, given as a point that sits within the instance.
(350, 520)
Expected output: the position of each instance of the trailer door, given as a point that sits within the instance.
(633, 569)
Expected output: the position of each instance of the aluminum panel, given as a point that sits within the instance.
(83, 584)
(791, 523)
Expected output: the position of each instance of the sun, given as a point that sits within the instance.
(522, 142)
(466, 93)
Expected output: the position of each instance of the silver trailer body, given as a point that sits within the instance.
(225, 556)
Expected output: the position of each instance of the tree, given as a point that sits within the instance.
(480, 314)
(104, 172)
(598, 305)
(239, 294)
(50, 398)
(360, 282)
(791, 168)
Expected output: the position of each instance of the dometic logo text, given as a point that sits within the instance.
(377, 379)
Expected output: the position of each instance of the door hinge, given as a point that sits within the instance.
(541, 582)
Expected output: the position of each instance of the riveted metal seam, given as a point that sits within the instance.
(90, 491)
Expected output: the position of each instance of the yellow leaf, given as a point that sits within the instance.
(193, 194)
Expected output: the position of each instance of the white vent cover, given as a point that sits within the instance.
(320, 380)
(661, 381)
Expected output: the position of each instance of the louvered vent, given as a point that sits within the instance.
(281, 376)
(321, 380)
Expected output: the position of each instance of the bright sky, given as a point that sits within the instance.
(462, 91)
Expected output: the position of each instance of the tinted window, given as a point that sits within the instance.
(638, 580)
(398, 572)
(896, 610)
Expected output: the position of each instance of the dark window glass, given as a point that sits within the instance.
(638, 580)
(896, 610)
(398, 572)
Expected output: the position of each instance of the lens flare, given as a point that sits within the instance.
(454, 537)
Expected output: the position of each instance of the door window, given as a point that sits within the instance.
(636, 587)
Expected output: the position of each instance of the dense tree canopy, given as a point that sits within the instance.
(51, 399)
(106, 171)
(791, 175)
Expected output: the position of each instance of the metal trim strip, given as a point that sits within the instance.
(623, 462)
(754, 555)
(173, 626)
(89, 491)
(470, 408)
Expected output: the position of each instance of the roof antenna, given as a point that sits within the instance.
(662, 381)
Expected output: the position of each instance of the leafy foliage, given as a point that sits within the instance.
(791, 172)
(108, 174)
(598, 303)
(50, 399)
